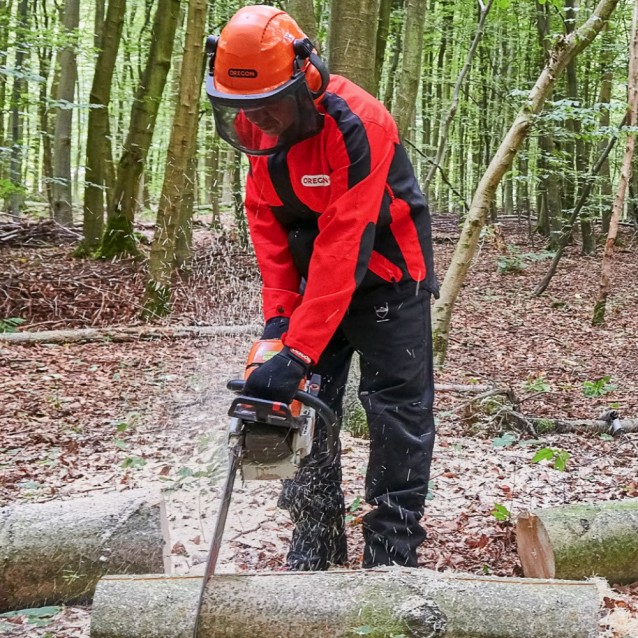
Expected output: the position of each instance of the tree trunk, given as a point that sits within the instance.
(580, 541)
(604, 99)
(18, 96)
(625, 176)
(563, 52)
(184, 232)
(118, 238)
(45, 56)
(5, 20)
(569, 223)
(577, 145)
(383, 32)
(410, 73)
(178, 156)
(61, 190)
(445, 125)
(99, 158)
(382, 603)
(353, 32)
(303, 12)
(56, 552)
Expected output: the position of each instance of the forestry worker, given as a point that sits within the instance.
(342, 236)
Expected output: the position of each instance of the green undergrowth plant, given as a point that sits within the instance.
(10, 324)
(516, 261)
(556, 457)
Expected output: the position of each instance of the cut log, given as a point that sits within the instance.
(335, 604)
(56, 552)
(579, 541)
(125, 333)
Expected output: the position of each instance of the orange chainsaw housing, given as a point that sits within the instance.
(261, 351)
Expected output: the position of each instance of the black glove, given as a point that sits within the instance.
(275, 328)
(278, 378)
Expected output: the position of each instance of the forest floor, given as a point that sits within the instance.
(80, 418)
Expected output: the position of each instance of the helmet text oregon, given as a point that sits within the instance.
(264, 77)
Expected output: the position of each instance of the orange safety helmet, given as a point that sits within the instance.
(264, 77)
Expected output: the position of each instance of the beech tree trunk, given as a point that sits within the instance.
(404, 103)
(339, 604)
(579, 541)
(303, 12)
(447, 123)
(99, 154)
(118, 238)
(563, 52)
(56, 552)
(178, 156)
(352, 33)
(61, 191)
(625, 177)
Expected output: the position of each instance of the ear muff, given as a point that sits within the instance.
(317, 75)
(211, 49)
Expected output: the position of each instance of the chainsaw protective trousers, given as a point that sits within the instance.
(389, 326)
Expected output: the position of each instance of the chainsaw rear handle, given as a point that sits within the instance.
(325, 413)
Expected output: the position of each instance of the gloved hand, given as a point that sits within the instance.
(275, 328)
(278, 378)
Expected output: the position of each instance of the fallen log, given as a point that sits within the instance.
(579, 541)
(608, 423)
(125, 333)
(335, 604)
(56, 552)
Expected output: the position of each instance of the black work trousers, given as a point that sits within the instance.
(389, 326)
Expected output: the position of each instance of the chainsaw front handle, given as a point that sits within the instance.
(324, 412)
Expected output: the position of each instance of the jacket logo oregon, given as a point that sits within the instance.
(242, 73)
(315, 180)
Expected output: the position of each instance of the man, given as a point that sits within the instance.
(342, 236)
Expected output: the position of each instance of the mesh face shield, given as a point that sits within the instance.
(268, 122)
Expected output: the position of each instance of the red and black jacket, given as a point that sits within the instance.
(349, 194)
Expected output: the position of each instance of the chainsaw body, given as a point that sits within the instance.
(274, 440)
(275, 437)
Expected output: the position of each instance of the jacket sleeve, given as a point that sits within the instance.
(280, 278)
(360, 155)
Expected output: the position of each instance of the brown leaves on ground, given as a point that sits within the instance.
(80, 418)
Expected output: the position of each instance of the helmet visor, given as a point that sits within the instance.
(266, 123)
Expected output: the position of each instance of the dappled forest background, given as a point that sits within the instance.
(104, 122)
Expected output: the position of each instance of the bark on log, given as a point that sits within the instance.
(335, 604)
(124, 333)
(606, 424)
(56, 552)
(579, 541)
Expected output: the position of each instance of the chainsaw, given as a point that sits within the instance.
(268, 440)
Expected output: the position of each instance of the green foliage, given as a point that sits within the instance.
(508, 438)
(132, 462)
(352, 510)
(355, 421)
(599, 387)
(536, 384)
(501, 513)
(7, 189)
(555, 456)
(515, 261)
(37, 617)
(11, 324)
